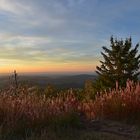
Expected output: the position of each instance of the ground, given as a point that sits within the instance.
(96, 130)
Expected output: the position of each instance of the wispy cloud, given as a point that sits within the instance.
(14, 7)
(63, 31)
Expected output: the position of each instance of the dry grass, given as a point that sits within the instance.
(118, 104)
(23, 111)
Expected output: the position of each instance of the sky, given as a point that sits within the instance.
(62, 35)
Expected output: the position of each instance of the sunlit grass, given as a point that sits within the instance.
(24, 112)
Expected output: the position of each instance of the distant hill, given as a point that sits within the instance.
(74, 81)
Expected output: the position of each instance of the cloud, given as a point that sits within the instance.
(14, 7)
(63, 31)
(43, 49)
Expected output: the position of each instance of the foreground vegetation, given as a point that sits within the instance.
(24, 113)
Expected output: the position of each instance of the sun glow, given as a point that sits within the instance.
(48, 68)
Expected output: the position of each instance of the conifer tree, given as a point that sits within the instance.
(121, 62)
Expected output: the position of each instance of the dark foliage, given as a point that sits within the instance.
(121, 62)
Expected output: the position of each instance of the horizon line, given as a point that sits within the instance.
(48, 73)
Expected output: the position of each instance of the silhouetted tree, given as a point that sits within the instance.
(120, 63)
(15, 79)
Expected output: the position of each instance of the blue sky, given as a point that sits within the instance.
(62, 35)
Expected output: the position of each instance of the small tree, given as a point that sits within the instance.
(50, 90)
(15, 79)
(121, 63)
(89, 89)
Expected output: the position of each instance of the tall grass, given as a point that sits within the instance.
(118, 104)
(26, 112)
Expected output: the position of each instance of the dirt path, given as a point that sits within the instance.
(115, 128)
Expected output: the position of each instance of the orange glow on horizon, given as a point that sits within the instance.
(48, 68)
